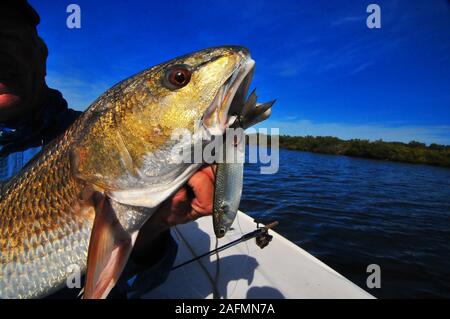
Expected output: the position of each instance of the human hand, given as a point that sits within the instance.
(193, 200)
(190, 202)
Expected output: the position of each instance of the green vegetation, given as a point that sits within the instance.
(413, 152)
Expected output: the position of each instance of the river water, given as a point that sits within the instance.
(352, 212)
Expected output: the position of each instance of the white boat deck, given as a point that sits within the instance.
(280, 270)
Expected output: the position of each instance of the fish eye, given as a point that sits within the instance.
(177, 77)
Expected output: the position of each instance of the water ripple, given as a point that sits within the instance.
(352, 212)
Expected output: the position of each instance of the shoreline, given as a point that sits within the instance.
(413, 152)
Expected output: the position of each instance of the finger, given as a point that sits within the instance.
(210, 171)
(203, 188)
(194, 214)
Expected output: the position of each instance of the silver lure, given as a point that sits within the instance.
(230, 173)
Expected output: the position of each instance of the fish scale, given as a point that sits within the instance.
(46, 263)
(44, 199)
(47, 211)
(228, 183)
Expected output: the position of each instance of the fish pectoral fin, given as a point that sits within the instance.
(109, 248)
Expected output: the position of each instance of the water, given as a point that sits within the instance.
(351, 212)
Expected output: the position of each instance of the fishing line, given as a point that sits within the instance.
(181, 239)
(197, 258)
(262, 240)
(216, 279)
(244, 262)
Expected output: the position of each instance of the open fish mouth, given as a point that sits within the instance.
(232, 106)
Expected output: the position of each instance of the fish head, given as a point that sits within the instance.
(193, 92)
(130, 148)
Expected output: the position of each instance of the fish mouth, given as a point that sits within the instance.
(232, 106)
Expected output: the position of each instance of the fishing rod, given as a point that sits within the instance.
(262, 240)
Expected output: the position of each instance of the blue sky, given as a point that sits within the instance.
(330, 74)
